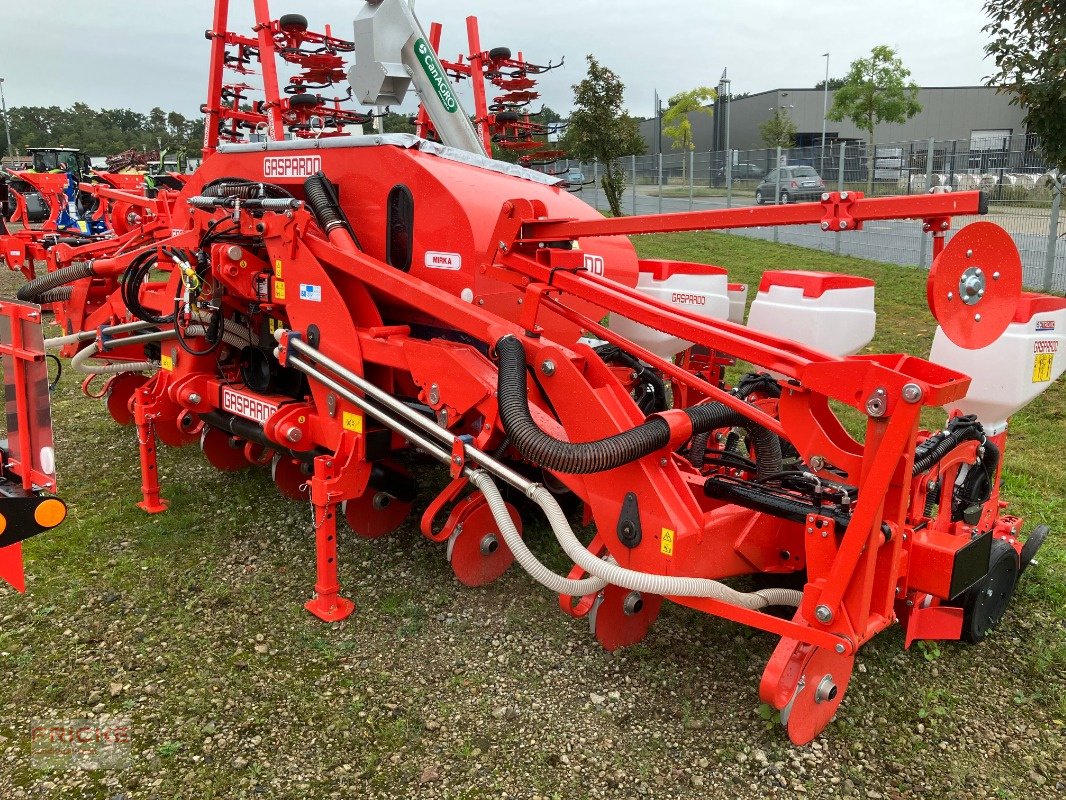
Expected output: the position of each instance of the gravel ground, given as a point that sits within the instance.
(190, 625)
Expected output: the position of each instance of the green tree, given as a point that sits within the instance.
(601, 130)
(1029, 49)
(676, 122)
(876, 90)
(834, 84)
(104, 132)
(779, 130)
(397, 123)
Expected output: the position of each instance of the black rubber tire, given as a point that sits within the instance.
(500, 53)
(786, 198)
(293, 22)
(304, 100)
(984, 603)
(758, 197)
(507, 117)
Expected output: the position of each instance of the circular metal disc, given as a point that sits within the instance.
(220, 451)
(375, 514)
(824, 681)
(170, 434)
(975, 284)
(477, 552)
(621, 617)
(290, 478)
(119, 393)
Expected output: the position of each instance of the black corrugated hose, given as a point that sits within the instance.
(582, 458)
(933, 449)
(31, 290)
(325, 205)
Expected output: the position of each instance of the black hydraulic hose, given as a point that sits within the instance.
(582, 458)
(750, 497)
(933, 449)
(642, 372)
(697, 454)
(31, 290)
(991, 459)
(325, 205)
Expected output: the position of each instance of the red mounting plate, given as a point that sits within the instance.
(975, 284)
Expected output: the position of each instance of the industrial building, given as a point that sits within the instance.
(977, 115)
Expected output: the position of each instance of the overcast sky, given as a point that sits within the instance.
(122, 53)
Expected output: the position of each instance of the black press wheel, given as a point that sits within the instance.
(1032, 544)
(984, 604)
(293, 22)
(500, 53)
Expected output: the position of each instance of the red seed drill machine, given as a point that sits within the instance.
(319, 304)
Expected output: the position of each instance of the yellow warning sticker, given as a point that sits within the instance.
(666, 542)
(277, 268)
(279, 290)
(1042, 367)
(353, 422)
(167, 363)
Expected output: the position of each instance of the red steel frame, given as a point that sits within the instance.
(858, 579)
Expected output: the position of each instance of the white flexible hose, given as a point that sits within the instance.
(525, 558)
(84, 336)
(78, 363)
(607, 571)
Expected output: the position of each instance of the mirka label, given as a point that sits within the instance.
(435, 260)
(666, 542)
(435, 72)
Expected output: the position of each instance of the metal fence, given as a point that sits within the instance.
(1024, 196)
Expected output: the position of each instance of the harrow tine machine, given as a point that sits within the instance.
(323, 305)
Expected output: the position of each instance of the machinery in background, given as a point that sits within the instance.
(337, 308)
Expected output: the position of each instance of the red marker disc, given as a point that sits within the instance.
(975, 284)
(291, 478)
(120, 391)
(477, 552)
(222, 451)
(622, 617)
(825, 679)
(375, 514)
